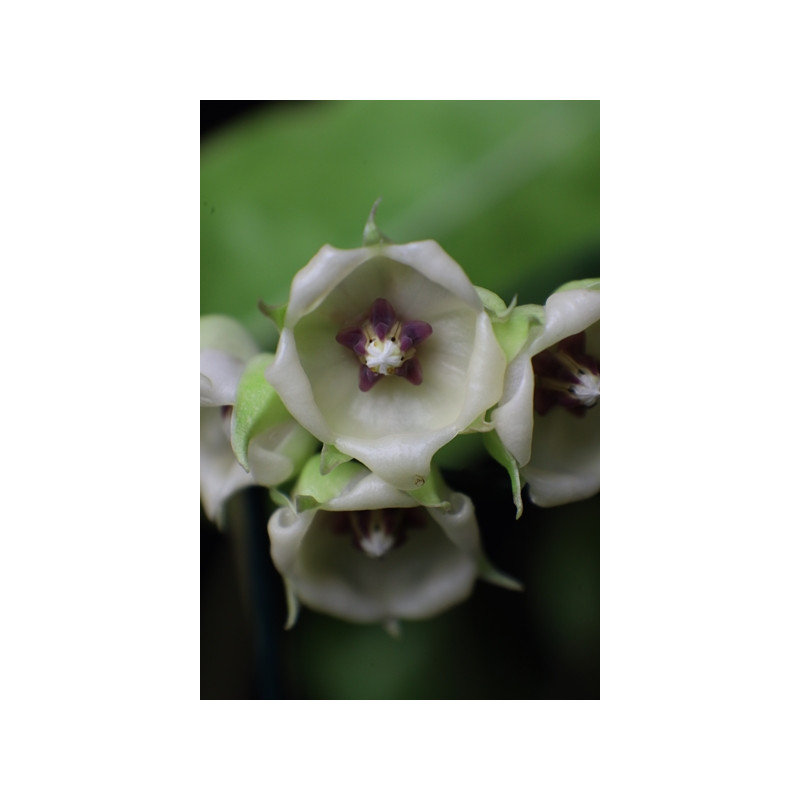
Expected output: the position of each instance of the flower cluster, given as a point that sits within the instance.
(387, 353)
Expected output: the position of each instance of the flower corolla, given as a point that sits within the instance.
(548, 418)
(355, 547)
(386, 354)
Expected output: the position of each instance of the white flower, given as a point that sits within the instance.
(549, 416)
(387, 354)
(235, 396)
(364, 551)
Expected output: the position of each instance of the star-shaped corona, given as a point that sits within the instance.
(385, 346)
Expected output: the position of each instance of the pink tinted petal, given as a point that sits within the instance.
(412, 333)
(382, 317)
(367, 378)
(354, 338)
(411, 370)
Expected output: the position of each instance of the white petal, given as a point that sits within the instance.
(460, 523)
(331, 266)
(369, 491)
(434, 263)
(219, 377)
(220, 473)
(566, 313)
(513, 417)
(418, 579)
(396, 427)
(404, 459)
(486, 372)
(313, 282)
(287, 377)
(566, 457)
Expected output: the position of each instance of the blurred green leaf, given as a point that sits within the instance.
(509, 188)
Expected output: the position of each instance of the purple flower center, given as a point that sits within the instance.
(384, 345)
(377, 531)
(566, 375)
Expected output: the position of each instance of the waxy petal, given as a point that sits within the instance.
(394, 428)
(268, 440)
(558, 450)
(219, 375)
(220, 473)
(565, 462)
(434, 566)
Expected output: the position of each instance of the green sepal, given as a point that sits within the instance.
(292, 606)
(332, 457)
(499, 453)
(256, 408)
(372, 233)
(479, 425)
(275, 313)
(495, 305)
(305, 502)
(431, 493)
(489, 573)
(586, 283)
(319, 487)
(280, 499)
(511, 324)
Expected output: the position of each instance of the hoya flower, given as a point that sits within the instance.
(355, 547)
(246, 435)
(548, 419)
(386, 354)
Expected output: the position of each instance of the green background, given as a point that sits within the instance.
(511, 191)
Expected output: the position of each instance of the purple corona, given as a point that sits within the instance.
(566, 375)
(384, 345)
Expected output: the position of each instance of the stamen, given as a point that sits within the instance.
(385, 346)
(377, 531)
(566, 375)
